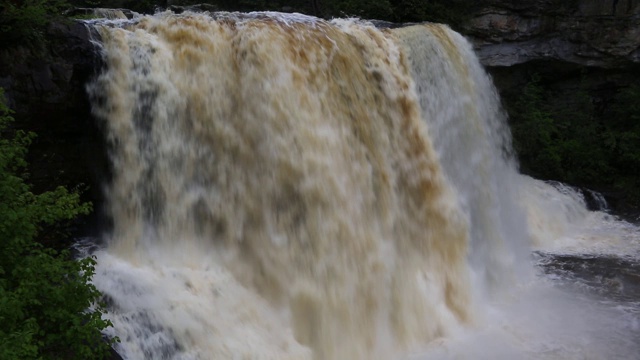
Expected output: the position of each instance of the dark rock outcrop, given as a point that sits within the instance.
(573, 47)
(600, 33)
(45, 86)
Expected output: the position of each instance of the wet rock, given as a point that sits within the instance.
(612, 277)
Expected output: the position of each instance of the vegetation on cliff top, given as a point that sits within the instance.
(24, 22)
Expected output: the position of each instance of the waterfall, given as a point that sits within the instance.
(287, 187)
(470, 133)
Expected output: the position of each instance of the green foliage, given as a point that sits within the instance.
(623, 140)
(565, 139)
(586, 159)
(45, 296)
(563, 142)
(24, 22)
(535, 134)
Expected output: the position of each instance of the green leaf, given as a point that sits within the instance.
(45, 295)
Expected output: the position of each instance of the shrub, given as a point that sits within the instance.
(24, 22)
(48, 308)
(535, 134)
(563, 137)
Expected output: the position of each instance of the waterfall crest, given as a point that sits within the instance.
(292, 152)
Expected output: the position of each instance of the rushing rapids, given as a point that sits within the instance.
(288, 187)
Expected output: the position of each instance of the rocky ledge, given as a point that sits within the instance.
(600, 33)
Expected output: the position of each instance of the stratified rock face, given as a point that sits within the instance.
(601, 33)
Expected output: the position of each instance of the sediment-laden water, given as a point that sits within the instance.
(290, 188)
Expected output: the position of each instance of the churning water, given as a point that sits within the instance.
(290, 188)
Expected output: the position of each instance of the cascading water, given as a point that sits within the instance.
(468, 129)
(287, 187)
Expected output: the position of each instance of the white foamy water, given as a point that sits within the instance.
(290, 188)
(560, 223)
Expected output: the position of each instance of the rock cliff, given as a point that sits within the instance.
(45, 86)
(572, 48)
(594, 33)
(568, 43)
